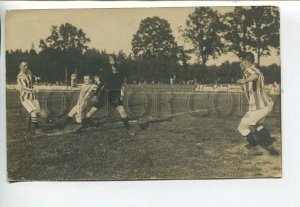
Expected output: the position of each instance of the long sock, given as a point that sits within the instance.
(251, 139)
(263, 137)
(34, 122)
(67, 121)
(35, 125)
(29, 122)
(86, 121)
(34, 119)
(126, 123)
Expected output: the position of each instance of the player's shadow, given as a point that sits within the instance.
(147, 124)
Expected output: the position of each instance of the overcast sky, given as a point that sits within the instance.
(109, 29)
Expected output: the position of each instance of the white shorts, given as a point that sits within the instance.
(252, 118)
(32, 105)
(78, 111)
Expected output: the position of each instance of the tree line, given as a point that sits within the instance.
(156, 56)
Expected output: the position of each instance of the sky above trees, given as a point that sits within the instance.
(109, 29)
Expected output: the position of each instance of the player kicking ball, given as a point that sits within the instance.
(27, 96)
(78, 111)
(110, 91)
(260, 105)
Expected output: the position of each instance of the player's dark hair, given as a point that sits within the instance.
(22, 61)
(88, 75)
(249, 56)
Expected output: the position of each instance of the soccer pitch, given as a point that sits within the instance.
(183, 136)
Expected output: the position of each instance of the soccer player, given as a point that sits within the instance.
(111, 90)
(27, 95)
(87, 91)
(100, 100)
(260, 105)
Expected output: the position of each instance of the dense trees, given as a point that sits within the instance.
(154, 45)
(154, 38)
(66, 38)
(156, 56)
(253, 28)
(203, 30)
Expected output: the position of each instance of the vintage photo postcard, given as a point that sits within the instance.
(143, 93)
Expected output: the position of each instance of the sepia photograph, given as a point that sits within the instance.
(143, 93)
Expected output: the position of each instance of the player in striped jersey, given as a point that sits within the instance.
(27, 95)
(260, 105)
(79, 110)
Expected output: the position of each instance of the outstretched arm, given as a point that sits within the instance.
(252, 77)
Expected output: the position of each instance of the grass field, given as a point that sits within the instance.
(173, 144)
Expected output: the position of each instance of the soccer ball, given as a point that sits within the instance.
(44, 114)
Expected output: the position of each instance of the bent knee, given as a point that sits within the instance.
(243, 129)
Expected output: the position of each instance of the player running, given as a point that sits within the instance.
(27, 95)
(111, 91)
(260, 105)
(78, 111)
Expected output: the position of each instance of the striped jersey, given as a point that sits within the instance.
(254, 90)
(25, 85)
(87, 91)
